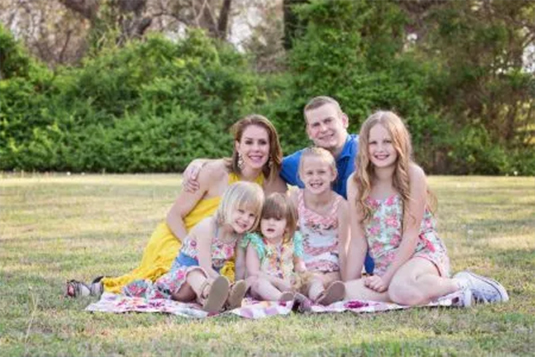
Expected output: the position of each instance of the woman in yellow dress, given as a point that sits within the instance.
(256, 157)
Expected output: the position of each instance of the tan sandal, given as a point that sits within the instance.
(236, 295)
(217, 296)
(287, 296)
(336, 291)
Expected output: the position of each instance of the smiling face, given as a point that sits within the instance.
(243, 219)
(381, 150)
(254, 146)
(273, 229)
(327, 127)
(316, 173)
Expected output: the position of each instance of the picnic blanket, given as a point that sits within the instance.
(250, 309)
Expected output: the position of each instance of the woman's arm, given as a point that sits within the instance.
(186, 201)
(343, 240)
(357, 245)
(412, 220)
(204, 233)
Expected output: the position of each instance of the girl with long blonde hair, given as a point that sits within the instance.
(390, 210)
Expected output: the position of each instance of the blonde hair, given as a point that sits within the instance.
(272, 168)
(279, 206)
(365, 171)
(320, 101)
(323, 154)
(240, 195)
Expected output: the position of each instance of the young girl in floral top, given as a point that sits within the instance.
(390, 209)
(206, 249)
(274, 263)
(323, 224)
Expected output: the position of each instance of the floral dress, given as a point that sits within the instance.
(384, 233)
(276, 260)
(320, 236)
(186, 261)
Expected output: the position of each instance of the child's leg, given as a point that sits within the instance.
(187, 292)
(356, 290)
(212, 294)
(315, 288)
(198, 283)
(264, 290)
(325, 288)
(418, 282)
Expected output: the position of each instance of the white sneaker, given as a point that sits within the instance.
(484, 290)
(465, 300)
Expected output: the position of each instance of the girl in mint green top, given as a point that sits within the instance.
(273, 258)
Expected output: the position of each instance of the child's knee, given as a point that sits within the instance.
(251, 282)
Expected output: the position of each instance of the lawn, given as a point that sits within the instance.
(58, 227)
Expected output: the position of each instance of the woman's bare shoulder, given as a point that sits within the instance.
(213, 171)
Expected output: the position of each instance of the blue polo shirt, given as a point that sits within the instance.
(345, 164)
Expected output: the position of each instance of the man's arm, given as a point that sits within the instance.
(290, 169)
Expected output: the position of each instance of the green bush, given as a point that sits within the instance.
(154, 105)
(150, 106)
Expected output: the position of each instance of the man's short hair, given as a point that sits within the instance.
(320, 101)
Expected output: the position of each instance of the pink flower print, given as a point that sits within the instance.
(181, 275)
(193, 243)
(396, 240)
(391, 221)
(229, 251)
(427, 243)
(388, 258)
(373, 203)
(390, 201)
(355, 304)
(374, 230)
(376, 248)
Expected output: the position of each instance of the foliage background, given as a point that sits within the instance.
(456, 72)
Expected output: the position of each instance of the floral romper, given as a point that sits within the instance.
(276, 260)
(320, 237)
(384, 233)
(186, 261)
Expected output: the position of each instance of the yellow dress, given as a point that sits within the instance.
(163, 246)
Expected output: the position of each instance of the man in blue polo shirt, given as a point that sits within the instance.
(326, 126)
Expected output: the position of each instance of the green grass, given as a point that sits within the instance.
(58, 227)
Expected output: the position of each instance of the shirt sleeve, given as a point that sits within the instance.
(256, 241)
(290, 168)
(298, 244)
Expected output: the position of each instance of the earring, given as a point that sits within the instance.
(240, 161)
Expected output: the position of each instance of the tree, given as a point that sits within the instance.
(292, 24)
(62, 31)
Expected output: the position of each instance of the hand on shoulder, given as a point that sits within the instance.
(213, 171)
